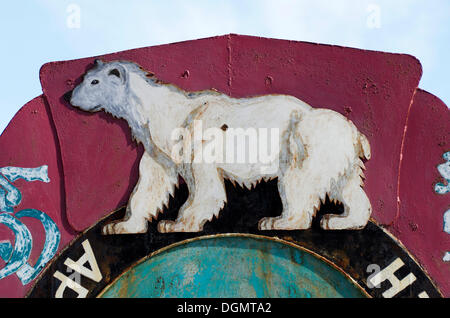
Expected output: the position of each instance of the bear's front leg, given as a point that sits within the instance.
(129, 225)
(207, 197)
(149, 196)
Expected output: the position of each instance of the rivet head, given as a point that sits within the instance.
(185, 74)
(414, 227)
(348, 110)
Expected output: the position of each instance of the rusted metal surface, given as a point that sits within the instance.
(93, 166)
(255, 267)
(349, 252)
(419, 223)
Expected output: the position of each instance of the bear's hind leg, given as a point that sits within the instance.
(299, 198)
(357, 208)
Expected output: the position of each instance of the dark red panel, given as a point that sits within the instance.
(420, 222)
(373, 89)
(99, 157)
(29, 141)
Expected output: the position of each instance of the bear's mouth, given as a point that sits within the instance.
(95, 108)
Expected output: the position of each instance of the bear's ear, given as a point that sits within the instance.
(98, 62)
(118, 72)
(114, 72)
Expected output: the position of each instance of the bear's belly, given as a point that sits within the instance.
(249, 174)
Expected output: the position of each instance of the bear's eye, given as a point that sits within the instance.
(95, 82)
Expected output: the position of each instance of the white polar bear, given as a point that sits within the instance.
(319, 151)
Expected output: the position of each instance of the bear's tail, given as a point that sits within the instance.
(364, 147)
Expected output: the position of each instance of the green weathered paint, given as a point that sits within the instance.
(233, 267)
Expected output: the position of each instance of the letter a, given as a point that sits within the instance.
(89, 257)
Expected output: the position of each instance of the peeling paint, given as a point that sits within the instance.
(446, 257)
(447, 222)
(440, 188)
(444, 170)
(16, 256)
(12, 196)
(27, 272)
(22, 246)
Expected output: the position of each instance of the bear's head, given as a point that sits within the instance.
(104, 87)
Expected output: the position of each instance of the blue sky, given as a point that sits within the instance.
(40, 31)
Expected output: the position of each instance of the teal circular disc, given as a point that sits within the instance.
(234, 267)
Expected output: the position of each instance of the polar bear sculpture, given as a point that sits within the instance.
(318, 151)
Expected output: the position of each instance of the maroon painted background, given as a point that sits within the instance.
(30, 141)
(98, 160)
(419, 224)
